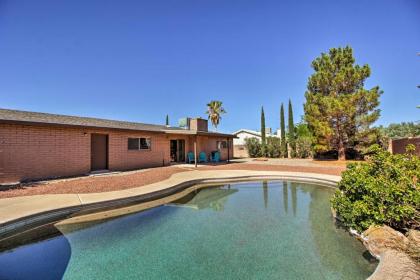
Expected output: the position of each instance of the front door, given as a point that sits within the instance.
(98, 152)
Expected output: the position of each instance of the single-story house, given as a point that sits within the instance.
(239, 146)
(39, 145)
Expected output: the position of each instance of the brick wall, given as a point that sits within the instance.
(208, 144)
(36, 152)
(120, 158)
(30, 152)
(199, 124)
(397, 146)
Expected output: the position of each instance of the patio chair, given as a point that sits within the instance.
(190, 157)
(202, 157)
(215, 156)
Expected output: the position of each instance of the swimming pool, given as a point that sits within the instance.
(251, 230)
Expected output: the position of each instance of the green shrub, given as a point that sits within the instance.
(273, 147)
(253, 146)
(383, 190)
(304, 141)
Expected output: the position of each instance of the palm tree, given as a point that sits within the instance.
(214, 110)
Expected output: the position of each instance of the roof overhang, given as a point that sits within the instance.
(199, 133)
(51, 124)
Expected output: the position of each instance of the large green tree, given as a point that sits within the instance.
(338, 109)
(167, 120)
(291, 132)
(214, 112)
(283, 145)
(263, 140)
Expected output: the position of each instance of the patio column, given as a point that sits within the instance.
(195, 151)
(228, 147)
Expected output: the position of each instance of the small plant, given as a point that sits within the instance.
(383, 190)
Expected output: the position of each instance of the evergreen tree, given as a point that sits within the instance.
(263, 140)
(167, 120)
(338, 109)
(291, 132)
(283, 145)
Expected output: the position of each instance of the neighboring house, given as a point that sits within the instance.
(239, 146)
(38, 145)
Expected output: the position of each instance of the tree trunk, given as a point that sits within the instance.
(341, 150)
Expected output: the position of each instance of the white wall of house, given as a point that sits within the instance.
(243, 134)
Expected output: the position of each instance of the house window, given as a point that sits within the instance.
(221, 145)
(144, 143)
(139, 143)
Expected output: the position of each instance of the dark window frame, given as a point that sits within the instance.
(138, 145)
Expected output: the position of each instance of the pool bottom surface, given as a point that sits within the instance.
(256, 230)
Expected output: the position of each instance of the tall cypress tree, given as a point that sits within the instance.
(291, 132)
(263, 140)
(283, 146)
(167, 120)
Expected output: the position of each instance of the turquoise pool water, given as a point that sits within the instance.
(255, 230)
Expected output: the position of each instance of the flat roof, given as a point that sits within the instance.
(26, 117)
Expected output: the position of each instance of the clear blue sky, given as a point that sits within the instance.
(139, 60)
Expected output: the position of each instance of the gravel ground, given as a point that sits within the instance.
(126, 180)
(94, 184)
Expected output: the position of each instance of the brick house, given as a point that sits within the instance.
(39, 145)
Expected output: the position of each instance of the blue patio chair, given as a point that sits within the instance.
(202, 157)
(215, 156)
(190, 157)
